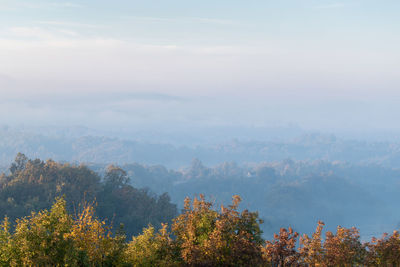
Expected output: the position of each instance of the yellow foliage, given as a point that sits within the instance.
(91, 235)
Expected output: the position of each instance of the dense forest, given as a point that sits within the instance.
(286, 193)
(200, 236)
(74, 215)
(32, 185)
(105, 215)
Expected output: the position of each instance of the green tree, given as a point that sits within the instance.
(115, 177)
(19, 163)
(6, 243)
(41, 238)
(152, 249)
(32, 185)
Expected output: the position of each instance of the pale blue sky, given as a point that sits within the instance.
(318, 63)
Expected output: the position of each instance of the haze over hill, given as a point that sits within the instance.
(211, 145)
(291, 180)
(291, 104)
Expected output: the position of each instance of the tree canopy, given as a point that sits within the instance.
(32, 185)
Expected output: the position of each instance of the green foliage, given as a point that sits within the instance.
(200, 236)
(6, 244)
(95, 240)
(115, 177)
(32, 185)
(55, 238)
(40, 239)
(41, 234)
(151, 249)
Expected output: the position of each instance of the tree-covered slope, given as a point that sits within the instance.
(32, 185)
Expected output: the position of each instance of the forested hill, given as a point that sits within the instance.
(86, 148)
(201, 236)
(287, 193)
(32, 185)
(69, 215)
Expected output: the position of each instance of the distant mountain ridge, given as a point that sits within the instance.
(76, 146)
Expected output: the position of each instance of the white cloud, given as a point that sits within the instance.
(184, 20)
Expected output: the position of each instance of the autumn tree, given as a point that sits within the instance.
(94, 239)
(207, 237)
(343, 248)
(311, 248)
(281, 251)
(384, 251)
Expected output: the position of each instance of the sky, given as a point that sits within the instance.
(320, 64)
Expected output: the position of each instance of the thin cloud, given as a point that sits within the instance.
(332, 6)
(6, 80)
(213, 21)
(185, 20)
(70, 24)
(30, 5)
(112, 99)
(30, 32)
(66, 4)
(40, 33)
